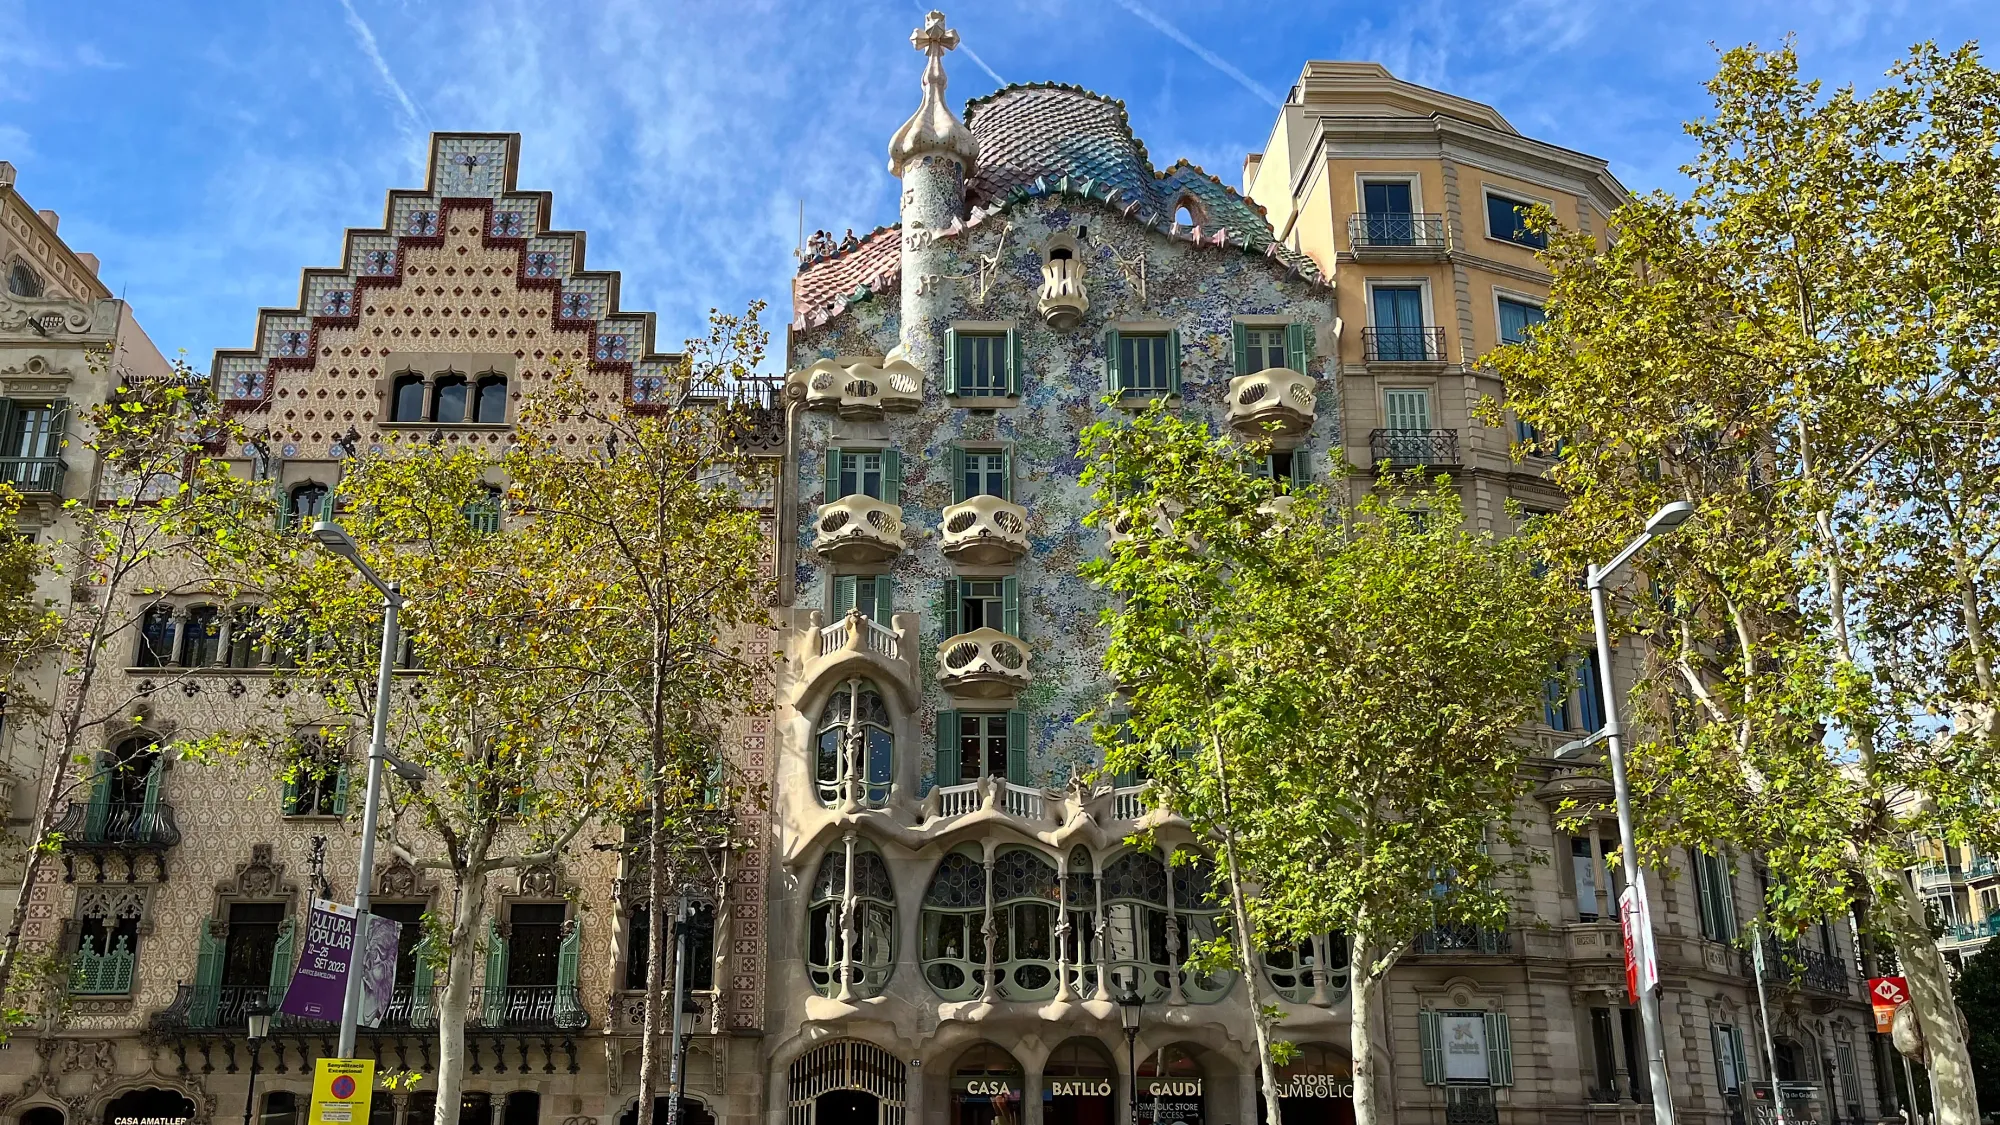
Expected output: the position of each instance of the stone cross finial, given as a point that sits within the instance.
(934, 38)
(933, 128)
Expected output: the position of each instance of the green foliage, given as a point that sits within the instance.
(1977, 990)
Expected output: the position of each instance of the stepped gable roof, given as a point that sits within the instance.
(1049, 130)
(827, 281)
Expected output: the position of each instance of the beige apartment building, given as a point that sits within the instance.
(935, 913)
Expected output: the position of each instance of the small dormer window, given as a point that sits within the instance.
(23, 281)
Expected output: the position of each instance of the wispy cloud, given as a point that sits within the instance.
(413, 119)
(1160, 24)
(974, 56)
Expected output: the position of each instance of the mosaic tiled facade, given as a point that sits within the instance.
(931, 918)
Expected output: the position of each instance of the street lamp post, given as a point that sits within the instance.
(335, 538)
(1130, 1006)
(259, 1016)
(1663, 521)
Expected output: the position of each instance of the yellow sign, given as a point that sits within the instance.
(341, 1089)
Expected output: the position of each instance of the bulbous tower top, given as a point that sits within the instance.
(933, 128)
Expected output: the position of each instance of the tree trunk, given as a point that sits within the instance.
(1360, 1035)
(656, 885)
(1949, 1059)
(456, 999)
(1246, 947)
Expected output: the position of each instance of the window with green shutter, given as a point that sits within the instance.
(1429, 1047)
(1259, 347)
(1291, 468)
(865, 472)
(982, 364)
(981, 472)
(1146, 363)
(984, 603)
(318, 781)
(494, 1012)
(1017, 748)
(980, 746)
(870, 593)
(1298, 346)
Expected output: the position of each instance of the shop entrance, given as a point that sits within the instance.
(1316, 1088)
(1171, 1088)
(986, 1088)
(847, 1107)
(1077, 1085)
(846, 1082)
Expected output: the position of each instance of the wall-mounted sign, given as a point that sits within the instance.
(122, 1119)
(1462, 1036)
(1172, 1088)
(1079, 1087)
(991, 1087)
(1316, 1086)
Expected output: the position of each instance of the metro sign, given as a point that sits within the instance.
(1885, 995)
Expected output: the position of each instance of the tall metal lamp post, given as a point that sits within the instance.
(1663, 521)
(1130, 1006)
(334, 538)
(259, 1017)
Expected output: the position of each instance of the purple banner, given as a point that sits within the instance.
(378, 968)
(319, 983)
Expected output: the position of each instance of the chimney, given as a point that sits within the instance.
(6, 174)
(51, 218)
(89, 262)
(1251, 163)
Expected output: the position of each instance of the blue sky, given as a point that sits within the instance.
(209, 151)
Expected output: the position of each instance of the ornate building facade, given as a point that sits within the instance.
(935, 915)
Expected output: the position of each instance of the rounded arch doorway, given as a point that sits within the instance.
(986, 1087)
(1172, 1087)
(1077, 1085)
(1315, 1088)
(846, 1082)
(149, 1105)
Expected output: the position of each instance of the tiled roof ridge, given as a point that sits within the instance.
(834, 255)
(1124, 116)
(825, 285)
(1184, 162)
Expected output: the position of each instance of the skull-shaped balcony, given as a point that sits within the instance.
(902, 385)
(823, 382)
(1062, 300)
(861, 392)
(986, 531)
(983, 664)
(1275, 396)
(858, 529)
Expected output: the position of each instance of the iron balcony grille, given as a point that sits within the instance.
(1395, 230)
(1788, 963)
(1470, 1105)
(1403, 345)
(1463, 939)
(227, 1007)
(1404, 449)
(33, 476)
(116, 824)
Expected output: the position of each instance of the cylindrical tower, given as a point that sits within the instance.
(933, 154)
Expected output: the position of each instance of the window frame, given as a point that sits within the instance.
(439, 384)
(1516, 200)
(960, 457)
(1115, 380)
(404, 381)
(1008, 389)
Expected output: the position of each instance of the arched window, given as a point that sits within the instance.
(986, 1087)
(448, 399)
(1024, 917)
(954, 948)
(1079, 945)
(201, 637)
(1187, 211)
(23, 281)
(123, 776)
(490, 401)
(1198, 917)
(156, 637)
(304, 504)
(406, 399)
(1152, 922)
(856, 708)
(1310, 971)
(874, 925)
(42, 1115)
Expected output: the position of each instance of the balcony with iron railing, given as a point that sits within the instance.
(1789, 963)
(1395, 234)
(1403, 345)
(1408, 449)
(97, 824)
(1455, 938)
(34, 476)
(523, 1008)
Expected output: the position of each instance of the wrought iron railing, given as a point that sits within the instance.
(1793, 964)
(1395, 230)
(1470, 1105)
(227, 1008)
(33, 476)
(1403, 345)
(1406, 448)
(118, 824)
(534, 1007)
(1457, 938)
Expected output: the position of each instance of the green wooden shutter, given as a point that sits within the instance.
(951, 622)
(892, 476)
(885, 608)
(1718, 1039)
(947, 748)
(422, 984)
(832, 476)
(951, 360)
(99, 814)
(1112, 384)
(1006, 474)
(291, 806)
(1174, 361)
(958, 495)
(844, 587)
(1427, 1043)
(495, 1013)
(1239, 338)
(1013, 362)
(1298, 347)
(1499, 1050)
(568, 956)
(340, 784)
(1301, 467)
(281, 963)
(58, 425)
(1010, 606)
(207, 977)
(149, 812)
(1736, 1053)
(1725, 897)
(1017, 748)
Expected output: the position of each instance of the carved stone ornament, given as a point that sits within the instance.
(48, 316)
(397, 879)
(539, 881)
